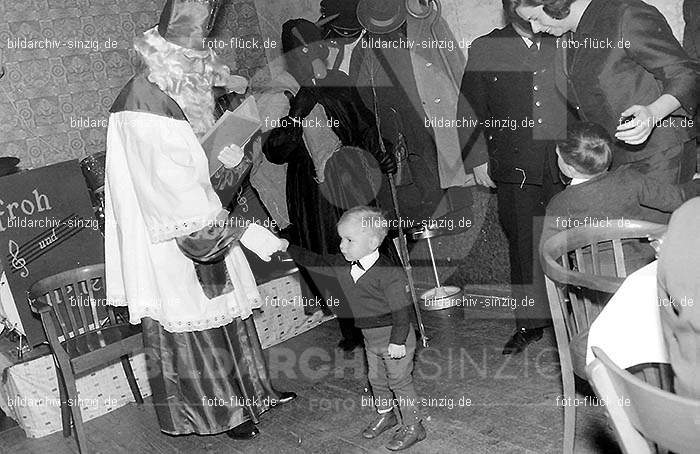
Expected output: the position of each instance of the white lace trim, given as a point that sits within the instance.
(183, 326)
(165, 232)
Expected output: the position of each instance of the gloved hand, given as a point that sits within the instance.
(262, 242)
(304, 101)
(387, 161)
(231, 156)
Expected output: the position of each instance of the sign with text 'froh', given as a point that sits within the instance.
(47, 225)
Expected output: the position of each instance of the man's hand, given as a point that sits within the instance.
(481, 176)
(231, 156)
(636, 130)
(397, 351)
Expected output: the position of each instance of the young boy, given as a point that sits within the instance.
(375, 289)
(596, 195)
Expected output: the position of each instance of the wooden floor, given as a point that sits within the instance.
(512, 400)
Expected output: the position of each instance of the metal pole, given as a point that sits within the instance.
(403, 247)
(403, 251)
(432, 260)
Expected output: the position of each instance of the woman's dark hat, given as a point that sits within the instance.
(188, 23)
(381, 17)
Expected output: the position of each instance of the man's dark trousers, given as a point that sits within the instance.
(521, 210)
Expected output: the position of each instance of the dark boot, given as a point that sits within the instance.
(382, 423)
(521, 339)
(406, 437)
(245, 431)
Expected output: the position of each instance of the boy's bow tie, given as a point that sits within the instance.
(358, 264)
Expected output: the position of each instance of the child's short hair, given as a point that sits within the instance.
(587, 148)
(370, 218)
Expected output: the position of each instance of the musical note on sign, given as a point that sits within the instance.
(17, 262)
(242, 201)
(48, 226)
(47, 241)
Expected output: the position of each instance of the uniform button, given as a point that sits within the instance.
(539, 120)
(490, 137)
(536, 87)
(437, 100)
(538, 104)
(578, 107)
(495, 78)
(534, 73)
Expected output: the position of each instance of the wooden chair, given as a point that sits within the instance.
(83, 335)
(643, 415)
(583, 267)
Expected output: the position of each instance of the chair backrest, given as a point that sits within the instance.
(77, 298)
(584, 266)
(642, 414)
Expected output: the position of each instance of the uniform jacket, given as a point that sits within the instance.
(517, 105)
(627, 55)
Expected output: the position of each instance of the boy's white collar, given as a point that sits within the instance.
(575, 181)
(370, 259)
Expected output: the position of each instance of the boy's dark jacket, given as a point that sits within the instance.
(378, 298)
(620, 193)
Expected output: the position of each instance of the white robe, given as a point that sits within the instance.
(157, 188)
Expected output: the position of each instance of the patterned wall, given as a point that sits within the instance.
(54, 101)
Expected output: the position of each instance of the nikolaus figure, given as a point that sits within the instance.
(324, 176)
(172, 252)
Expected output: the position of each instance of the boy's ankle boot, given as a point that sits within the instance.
(382, 423)
(407, 436)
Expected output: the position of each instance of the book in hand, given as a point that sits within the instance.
(233, 127)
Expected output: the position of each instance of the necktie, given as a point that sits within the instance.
(358, 264)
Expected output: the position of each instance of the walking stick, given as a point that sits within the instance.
(403, 252)
(403, 247)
